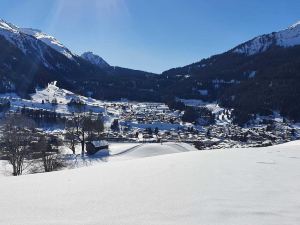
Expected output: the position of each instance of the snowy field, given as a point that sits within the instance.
(224, 187)
(116, 152)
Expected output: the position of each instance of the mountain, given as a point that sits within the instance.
(95, 59)
(48, 40)
(285, 38)
(30, 58)
(257, 77)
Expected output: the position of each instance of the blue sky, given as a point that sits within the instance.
(152, 35)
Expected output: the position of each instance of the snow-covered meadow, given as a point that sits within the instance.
(239, 186)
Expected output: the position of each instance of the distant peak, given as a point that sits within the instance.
(95, 59)
(16, 34)
(288, 37)
(295, 25)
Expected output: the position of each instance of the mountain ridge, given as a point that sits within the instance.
(256, 77)
(285, 38)
(259, 76)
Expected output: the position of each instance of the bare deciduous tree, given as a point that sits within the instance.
(48, 153)
(71, 136)
(81, 127)
(18, 134)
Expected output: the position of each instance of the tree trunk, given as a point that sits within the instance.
(73, 149)
(82, 145)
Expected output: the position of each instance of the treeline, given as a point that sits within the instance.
(4, 104)
(41, 115)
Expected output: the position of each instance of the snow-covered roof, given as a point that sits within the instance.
(100, 143)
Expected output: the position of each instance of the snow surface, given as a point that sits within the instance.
(116, 152)
(245, 186)
(150, 150)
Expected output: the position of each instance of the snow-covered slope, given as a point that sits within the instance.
(117, 152)
(149, 150)
(22, 41)
(254, 186)
(22, 37)
(43, 98)
(48, 40)
(284, 38)
(95, 59)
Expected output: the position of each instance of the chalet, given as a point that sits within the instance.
(93, 147)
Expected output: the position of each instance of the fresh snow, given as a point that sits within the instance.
(224, 187)
(117, 151)
(149, 150)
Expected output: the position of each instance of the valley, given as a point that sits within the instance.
(129, 125)
(87, 142)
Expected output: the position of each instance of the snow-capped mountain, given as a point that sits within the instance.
(95, 59)
(257, 77)
(48, 40)
(30, 58)
(285, 38)
(21, 37)
(27, 44)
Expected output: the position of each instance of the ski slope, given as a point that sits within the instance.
(224, 187)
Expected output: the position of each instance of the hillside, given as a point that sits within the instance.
(256, 77)
(254, 186)
(31, 58)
